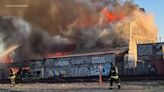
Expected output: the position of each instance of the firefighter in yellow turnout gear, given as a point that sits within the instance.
(12, 78)
(114, 77)
(13, 74)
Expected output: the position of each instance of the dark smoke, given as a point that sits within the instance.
(13, 30)
(64, 26)
(33, 42)
(55, 16)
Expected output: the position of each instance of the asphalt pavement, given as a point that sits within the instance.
(131, 86)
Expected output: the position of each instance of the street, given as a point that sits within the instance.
(128, 86)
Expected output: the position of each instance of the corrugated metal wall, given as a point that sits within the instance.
(82, 66)
(143, 68)
(159, 66)
(78, 66)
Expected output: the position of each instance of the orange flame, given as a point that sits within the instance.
(57, 54)
(5, 56)
(6, 59)
(112, 16)
(10, 49)
(85, 21)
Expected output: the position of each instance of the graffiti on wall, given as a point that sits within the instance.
(80, 66)
(151, 51)
(102, 59)
(97, 59)
(95, 69)
(159, 49)
(49, 72)
(55, 72)
(79, 60)
(144, 50)
(92, 70)
(82, 70)
(106, 69)
(61, 62)
(152, 69)
(49, 62)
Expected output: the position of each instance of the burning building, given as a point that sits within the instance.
(78, 26)
(137, 35)
(132, 30)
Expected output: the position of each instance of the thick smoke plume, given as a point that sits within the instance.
(48, 26)
(33, 42)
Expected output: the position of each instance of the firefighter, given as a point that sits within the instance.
(12, 78)
(114, 77)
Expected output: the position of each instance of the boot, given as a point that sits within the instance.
(119, 86)
(111, 87)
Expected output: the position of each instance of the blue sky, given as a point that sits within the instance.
(156, 7)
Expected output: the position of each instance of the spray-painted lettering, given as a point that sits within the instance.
(61, 62)
(80, 71)
(78, 60)
(97, 60)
